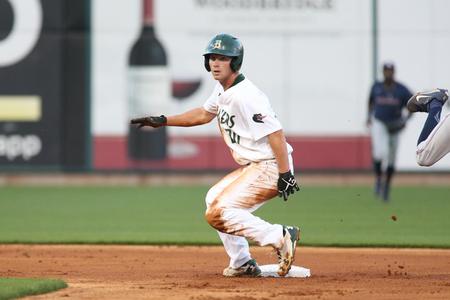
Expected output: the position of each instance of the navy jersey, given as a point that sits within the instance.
(388, 102)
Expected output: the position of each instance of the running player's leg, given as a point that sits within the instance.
(379, 152)
(231, 211)
(437, 143)
(236, 247)
(390, 170)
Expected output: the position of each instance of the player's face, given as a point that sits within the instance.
(388, 74)
(220, 67)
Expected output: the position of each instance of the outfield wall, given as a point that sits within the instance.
(314, 59)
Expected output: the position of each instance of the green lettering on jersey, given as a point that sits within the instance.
(227, 120)
(234, 138)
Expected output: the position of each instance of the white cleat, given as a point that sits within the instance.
(286, 253)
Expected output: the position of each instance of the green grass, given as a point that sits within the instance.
(328, 216)
(11, 288)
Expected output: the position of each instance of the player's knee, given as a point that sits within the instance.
(424, 160)
(213, 216)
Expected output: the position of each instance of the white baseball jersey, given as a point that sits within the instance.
(245, 119)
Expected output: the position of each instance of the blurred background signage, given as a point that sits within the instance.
(44, 84)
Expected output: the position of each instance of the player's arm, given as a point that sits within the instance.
(407, 97)
(371, 104)
(370, 109)
(194, 117)
(286, 181)
(277, 142)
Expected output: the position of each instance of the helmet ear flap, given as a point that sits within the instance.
(207, 67)
(235, 64)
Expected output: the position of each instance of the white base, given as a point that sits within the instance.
(271, 271)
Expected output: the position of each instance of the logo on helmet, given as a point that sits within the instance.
(217, 44)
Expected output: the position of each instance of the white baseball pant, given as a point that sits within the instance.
(384, 145)
(437, 144)
(230, 204)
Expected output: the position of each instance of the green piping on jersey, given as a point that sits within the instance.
(238, 79)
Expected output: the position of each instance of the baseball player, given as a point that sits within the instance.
(434, 140)
(257, 143)
(385, 117)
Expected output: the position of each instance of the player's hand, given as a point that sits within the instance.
(287, 185)
(154, 122)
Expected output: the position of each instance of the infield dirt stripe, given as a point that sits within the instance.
(173, 272)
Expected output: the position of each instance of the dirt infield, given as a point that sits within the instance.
(163, 272)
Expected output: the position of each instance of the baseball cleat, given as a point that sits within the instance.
(286, 253)
(249, 269)
(419, 102)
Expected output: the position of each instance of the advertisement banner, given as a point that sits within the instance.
(43, 84)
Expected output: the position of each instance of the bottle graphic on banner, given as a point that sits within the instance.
(149, 90)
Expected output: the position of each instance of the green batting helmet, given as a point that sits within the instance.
(226, 45)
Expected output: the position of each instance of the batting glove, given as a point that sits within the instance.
(287, 185)
(154, 122)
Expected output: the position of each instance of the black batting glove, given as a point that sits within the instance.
(154, 122)
(287, 185)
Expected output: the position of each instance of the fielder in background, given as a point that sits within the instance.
(256, 140)
(434, 140)
(386, 118)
